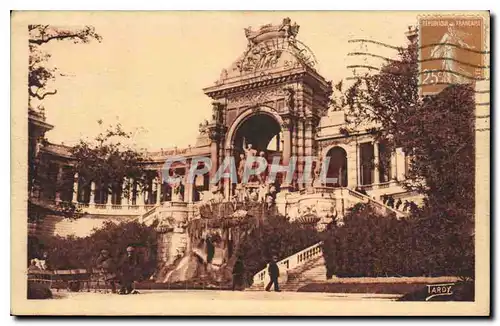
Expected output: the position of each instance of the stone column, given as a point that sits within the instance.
(131, 192)
(308, 137)
(287, 144)
(358, 164)
(110, 196)
(158, 191)
(400, 164)
(394, 166)
(228, 186)
(75, 188)
(300, 148)
(59, 183)
(376, 162)
(92, 193)
(125, 197)
(213, 157)
(287, 147)
(145, 193)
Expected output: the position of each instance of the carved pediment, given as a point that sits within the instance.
(255, 98)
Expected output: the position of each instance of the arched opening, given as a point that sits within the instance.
(263, 131)
(337, 167)
(260, 130)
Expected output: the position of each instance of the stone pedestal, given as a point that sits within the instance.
(172, 234)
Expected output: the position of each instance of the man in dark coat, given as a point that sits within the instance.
(398, 203)
(238, 270)
(274, 273)
(107, 268)
(129, 268)
(390, 202)
(210, 249)
(406, 205)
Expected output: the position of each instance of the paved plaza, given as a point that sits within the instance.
(182, 302)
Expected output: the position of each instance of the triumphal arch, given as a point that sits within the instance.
(272, 97)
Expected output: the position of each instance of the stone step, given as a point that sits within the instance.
(313, 271)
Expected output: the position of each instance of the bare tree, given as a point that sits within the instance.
(39, 74)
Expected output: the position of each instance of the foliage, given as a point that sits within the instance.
(72, 252)
(107, 160)
(443, 154)
(39, 74)
(370, 245)
(275, 237)
(437, 133)
(38, 210)
(38, 291)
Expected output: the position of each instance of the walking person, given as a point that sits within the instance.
(274, 272)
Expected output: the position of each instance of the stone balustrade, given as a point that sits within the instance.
(296, 260)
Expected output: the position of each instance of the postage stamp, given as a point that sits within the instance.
(250, 163)
(452, 51)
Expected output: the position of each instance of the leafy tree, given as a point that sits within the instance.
(433, 130)
(39, 77)
(72, 252)
(109, 162)
(39, 74)
(436, 132)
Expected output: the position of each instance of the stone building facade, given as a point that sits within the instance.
(272, 97)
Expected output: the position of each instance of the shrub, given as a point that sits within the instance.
(370, 245)
(38, 291)
(72, 252)
(275, 237)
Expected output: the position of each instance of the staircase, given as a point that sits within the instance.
(149, 217)
(295, 270)
(378, 205)
(313, 271)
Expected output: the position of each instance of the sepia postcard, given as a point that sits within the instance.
(313, 163)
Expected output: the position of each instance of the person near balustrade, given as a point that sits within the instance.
(390, 202)
(398, 203)
(406, 205)
(274, 272)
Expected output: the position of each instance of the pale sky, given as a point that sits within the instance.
(149, 70)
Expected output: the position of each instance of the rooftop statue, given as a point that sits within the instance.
(286, 29)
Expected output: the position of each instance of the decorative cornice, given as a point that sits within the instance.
(253, 83)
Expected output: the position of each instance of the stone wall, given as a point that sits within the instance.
(81, 227)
